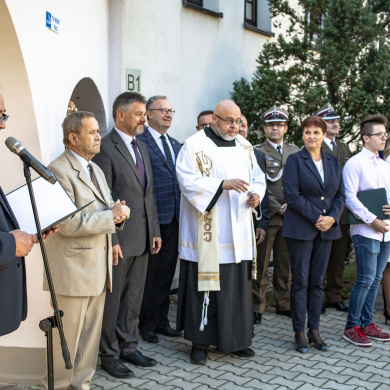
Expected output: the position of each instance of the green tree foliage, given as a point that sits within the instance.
(334, 51)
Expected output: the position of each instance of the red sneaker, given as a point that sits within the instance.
(356, 336)
(375, 332)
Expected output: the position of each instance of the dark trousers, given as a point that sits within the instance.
(334, 273)
(161, 269)
(122, 307)
(308, 260)
(281, 276)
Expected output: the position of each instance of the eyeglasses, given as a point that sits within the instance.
(333, 121)
(3, 118)
(275, 124)
(229, 121)
(71, 109)
(165, 111)
(381, 136)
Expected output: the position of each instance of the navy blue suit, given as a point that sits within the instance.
(161, 267)
(165, 183)
(307, 198)
(13, 294)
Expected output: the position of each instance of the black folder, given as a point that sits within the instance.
(373, 200)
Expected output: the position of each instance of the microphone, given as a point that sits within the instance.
(16, 147)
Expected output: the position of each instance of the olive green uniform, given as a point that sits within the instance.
(338, 254)
(274, 240)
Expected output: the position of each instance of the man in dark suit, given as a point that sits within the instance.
(260, 225)
(276, 153)
(14, 245)
(126, 164)
(163, 151)
(338, 254)
(204, 119)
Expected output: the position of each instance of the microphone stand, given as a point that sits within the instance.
(55, 321)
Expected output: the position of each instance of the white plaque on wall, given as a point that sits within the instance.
(133, 80)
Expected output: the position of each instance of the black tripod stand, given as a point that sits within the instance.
(49, 323)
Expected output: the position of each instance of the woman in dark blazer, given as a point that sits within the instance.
(314, 192)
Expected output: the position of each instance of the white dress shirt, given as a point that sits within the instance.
(276, 146)
(82, 161)
(365, 171)
(127, 139)
(329, 143)
(320, 166)
(157, 137)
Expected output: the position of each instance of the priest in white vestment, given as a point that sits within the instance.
(221, 186)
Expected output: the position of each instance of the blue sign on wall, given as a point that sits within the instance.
(52, 22)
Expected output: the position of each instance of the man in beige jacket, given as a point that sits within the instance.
(80, 254)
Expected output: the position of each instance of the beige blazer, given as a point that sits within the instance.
(80, 254)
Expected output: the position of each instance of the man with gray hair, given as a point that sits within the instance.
(80, 254)
(163, 151)
(126, 164)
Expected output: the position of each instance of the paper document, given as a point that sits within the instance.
(53, 205)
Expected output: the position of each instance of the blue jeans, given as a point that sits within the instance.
(371, 260)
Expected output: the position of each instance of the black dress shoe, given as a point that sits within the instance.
(339, 306)
(198, 356)
(168, 331)
(256, 318)
(138, 359)
(286, 313)
(117, 369)
(321, 346)
(323, 310)
(149, 337)
(245, 353)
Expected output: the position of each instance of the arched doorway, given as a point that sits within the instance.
(86, 97)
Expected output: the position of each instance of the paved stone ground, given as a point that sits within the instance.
(276, 366)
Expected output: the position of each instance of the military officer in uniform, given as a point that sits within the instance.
(338, 255)
(276, 153)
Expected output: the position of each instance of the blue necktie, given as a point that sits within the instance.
(168, 154)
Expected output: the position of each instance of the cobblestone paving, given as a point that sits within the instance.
(276, 365)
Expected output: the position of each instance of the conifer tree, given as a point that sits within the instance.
(334, 51)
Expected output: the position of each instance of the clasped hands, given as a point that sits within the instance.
(241, 186)
(324, 223)
(120, 211)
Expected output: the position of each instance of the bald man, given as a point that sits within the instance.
(221, 184)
